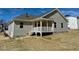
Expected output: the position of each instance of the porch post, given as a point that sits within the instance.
(40, 28)
(47, 25)
(36, 28)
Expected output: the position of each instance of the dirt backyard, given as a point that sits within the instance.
(67, 41)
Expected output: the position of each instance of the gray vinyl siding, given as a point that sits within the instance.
(59, 19)
(10, 30)
(27, 27)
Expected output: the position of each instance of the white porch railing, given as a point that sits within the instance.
(42, 29)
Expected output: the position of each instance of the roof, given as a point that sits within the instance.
(30, 20)
(25, 17)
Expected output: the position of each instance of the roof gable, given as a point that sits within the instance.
(52, 13)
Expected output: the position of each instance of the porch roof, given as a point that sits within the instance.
(33, 20)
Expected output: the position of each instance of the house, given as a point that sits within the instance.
(53, 21)
(73, 22)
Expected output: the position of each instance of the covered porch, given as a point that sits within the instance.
(42, 25)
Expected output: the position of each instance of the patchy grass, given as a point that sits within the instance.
(67, 41)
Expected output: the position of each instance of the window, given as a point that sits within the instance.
(6, 28)
(61, 25)
(21, 24)
(54, 24)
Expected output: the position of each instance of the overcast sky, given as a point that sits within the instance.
(9, 13)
